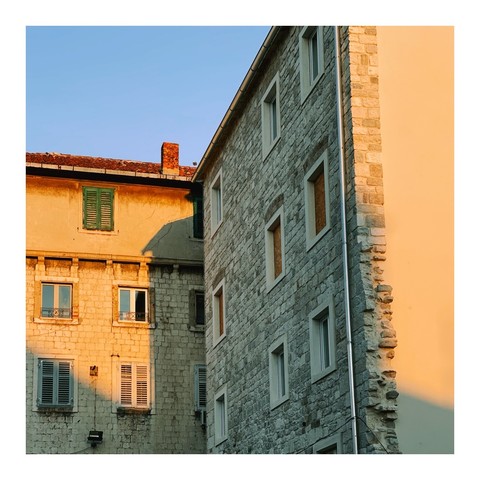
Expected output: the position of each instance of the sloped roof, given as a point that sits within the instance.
(74, 162)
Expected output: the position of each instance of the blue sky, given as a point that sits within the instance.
(120, 92)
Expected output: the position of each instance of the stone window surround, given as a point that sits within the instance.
(117, 407)
(329, 442)
(132, 284)
(216, 202)
(73, 359)
(57, 280)
(192, 293)
(311, 237)
(316, 369)
(306, 82)
(220, 414)
(276, 218)
(217, 336)
(272, 92)
(275, 399)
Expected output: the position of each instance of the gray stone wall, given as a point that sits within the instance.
(253, 188)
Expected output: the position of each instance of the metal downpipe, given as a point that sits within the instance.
(344, 239)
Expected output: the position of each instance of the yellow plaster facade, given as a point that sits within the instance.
(417, 111)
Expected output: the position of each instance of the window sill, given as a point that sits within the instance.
(220, 440)
(197, 328)
(317, 376)
(267, 150)
(54, 409)
(216, 227)
(122, 411)
(308, 89)
(273, 283)
(134, 324)
(218, 340)
(56, 321)
(279, 401)
(313, 240)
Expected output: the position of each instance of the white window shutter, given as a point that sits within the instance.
(142, 386)
(126, 384)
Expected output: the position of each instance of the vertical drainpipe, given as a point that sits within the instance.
(344, 239)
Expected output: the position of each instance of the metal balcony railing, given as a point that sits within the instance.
(56, 312)
(133, 316)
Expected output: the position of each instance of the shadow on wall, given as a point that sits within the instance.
(175, 241)
(424, 427)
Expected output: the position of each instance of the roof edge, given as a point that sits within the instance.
(251, 74)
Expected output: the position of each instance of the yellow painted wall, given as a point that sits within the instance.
(148, 220)
(416, 74)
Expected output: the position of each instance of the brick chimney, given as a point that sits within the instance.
(169, 163)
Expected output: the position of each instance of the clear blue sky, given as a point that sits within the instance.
(120, 92)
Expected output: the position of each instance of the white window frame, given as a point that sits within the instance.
(217, 336)
(327, 443)
(278, 354)
(216, 202)
(132, 314)
(307, 78)
(276, 219)
(41, 280)
(117, 404)
(323, 313)
(56, 307)
(312, 237)
(270, 105)
(37, 406)
(220, 415)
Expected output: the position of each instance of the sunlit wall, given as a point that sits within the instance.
(416, 101)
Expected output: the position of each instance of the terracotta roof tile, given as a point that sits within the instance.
(63, 159)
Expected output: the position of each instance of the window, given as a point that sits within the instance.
(198, 216)
(98, 208)
(218, 305)
(271, 116)
(133, 305)
(134, 385)
(322, 341)
(220, 416)
(216, 202)
(196, 309)
(199, 308)
(56, 301)
(278, 361)
(331, 445)
(200, 388)
(311, 59)
(275, 250)
(317, 212)
(55, 385)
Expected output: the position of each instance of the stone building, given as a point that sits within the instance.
(114, 318)
(299, 336)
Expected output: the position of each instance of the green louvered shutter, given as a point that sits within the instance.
(106, 209)
(97, 208)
